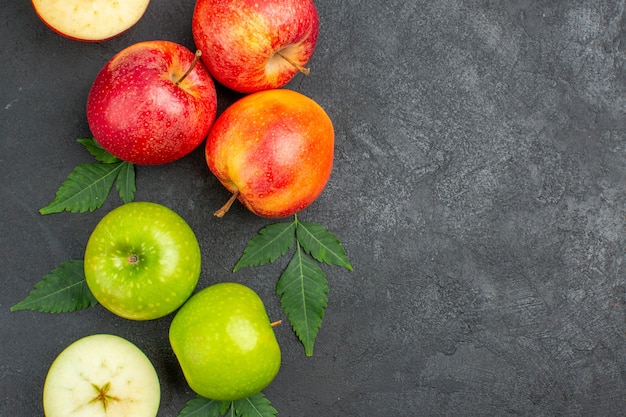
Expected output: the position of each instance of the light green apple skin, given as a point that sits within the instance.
(225, 343)
(142, 261)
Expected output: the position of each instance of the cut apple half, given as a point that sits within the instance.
(101, 375)
(90, 20)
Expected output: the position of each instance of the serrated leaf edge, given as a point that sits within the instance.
(246, 259)
(306, 333)
(255, 402)
(342, 259)
(97, 151)
(59, 204)
(205, 407)
(125, 182)
(24, 304)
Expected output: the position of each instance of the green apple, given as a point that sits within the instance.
(101, 375)
(142, 261)
(225, 343)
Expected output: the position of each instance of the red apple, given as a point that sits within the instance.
(253, 45)
(94, 20)
(152, 103)
(273, 150)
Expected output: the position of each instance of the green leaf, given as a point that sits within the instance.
(98, 151)
(303, 291)
(322, 244)
(202, 407)
(227, 406)
(269, 244)
(302, 287)
(125, 182)
(85, 189)
(62, 290)
(254, 406)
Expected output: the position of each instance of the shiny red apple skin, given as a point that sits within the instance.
(138, 113)
(274, 148)
(239, 40)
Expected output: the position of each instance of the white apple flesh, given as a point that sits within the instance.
(101, 375)
(90, 20)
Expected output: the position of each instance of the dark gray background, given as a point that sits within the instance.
(479, 189)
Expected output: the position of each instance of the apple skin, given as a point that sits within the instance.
(240, 40)
(225, 343)
(138, 113)
(101, 363)
(90, 21)
(273, 149)
(142, 261)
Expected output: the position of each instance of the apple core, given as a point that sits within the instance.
(101, 375)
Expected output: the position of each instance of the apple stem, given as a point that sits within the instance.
(305, 71)
(193, 64)
(276, 323)
(224, 209)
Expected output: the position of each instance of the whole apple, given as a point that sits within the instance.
(273, 150)
(142, 261)
(253, 45)
(94, 20)
(225, 343)
(152, 103)
(101, 375)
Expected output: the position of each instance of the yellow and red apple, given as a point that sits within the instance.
(253, 45)
(93, 20)
(273, 150)
(152, 103)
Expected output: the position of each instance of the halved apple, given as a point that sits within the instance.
(101, 375)
(90, 20)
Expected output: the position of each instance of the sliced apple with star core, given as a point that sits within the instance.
(101, 375)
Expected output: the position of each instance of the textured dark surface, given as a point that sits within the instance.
(479, 189)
